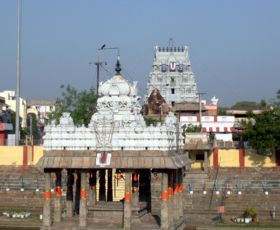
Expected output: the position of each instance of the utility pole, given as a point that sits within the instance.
(98, 64)
(200, 109)
(18, 67)
(31, 130)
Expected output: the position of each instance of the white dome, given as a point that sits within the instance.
(116, 86)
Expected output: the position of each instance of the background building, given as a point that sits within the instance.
(10, 101)
(41, 108)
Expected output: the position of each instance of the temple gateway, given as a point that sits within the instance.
(117, 170)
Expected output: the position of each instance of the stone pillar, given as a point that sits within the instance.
(92, 187)
(175, 196)
(102, 183)
(109, 185)
(47, 216)
(83, 201)
(127, 202)
(188, 155)
(69, 194)
(57, 200)
(164, 220)
(170, 197)
(180, 193)
(205, 161)
(135, 190)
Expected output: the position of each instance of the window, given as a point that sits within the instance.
(199, 157)
(172, 103)
(172, 91)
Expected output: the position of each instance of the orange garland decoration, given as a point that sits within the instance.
(127, 197)
(92, 187)
(170, 191)
(180, 189)
(83, 194)
(135, 189)
(58, 191)
(47, 195)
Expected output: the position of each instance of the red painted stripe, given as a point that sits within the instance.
(217, 129)
(2, 138)
(215, 118)
(241, 158)
(204, 130)
(198, 118)
(25, 155)
(210, 129)
(225, 129)
(215, 157)
(32, 153)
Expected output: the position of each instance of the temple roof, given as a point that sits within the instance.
(120, 159)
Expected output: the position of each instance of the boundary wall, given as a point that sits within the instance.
(238, 158)
(20, 155)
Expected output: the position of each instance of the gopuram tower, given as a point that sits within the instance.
(172, 77)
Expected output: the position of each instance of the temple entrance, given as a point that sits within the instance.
(145, 186)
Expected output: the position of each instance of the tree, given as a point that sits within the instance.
(250, 105)
(263, 130)
(81, 105)
(245, 105)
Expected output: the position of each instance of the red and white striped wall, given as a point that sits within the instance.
(215, 124)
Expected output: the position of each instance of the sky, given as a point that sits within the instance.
(234, 45)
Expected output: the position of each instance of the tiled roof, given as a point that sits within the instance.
(120, 159)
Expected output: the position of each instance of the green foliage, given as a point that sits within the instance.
(263, 130)
(250, 212)
(191, 129)
(250, 105)
(245, 105)
(81, 105)
(151, 120)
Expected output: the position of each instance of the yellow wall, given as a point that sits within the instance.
(228, 157)
(11, 155)
(38, 153)
(253, 160)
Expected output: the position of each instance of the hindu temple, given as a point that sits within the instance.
(116, 172)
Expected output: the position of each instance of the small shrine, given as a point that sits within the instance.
(116, 167)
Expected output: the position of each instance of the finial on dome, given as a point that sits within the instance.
(118, 66)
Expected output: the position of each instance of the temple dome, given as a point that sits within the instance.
(117, 85)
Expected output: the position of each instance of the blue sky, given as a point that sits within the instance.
(234, 45)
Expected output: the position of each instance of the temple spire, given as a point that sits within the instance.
(118, 66)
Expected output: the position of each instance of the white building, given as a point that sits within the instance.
(221, 126)
(41, 108)
(10, 100)
(117, 124)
